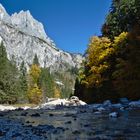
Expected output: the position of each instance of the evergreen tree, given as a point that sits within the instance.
(9, 79)
(46, 83)
(126, 76)
(23, 83)
(35, 60)
(123, 16)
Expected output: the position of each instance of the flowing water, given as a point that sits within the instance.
(70, 123)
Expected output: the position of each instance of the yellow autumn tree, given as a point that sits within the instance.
(57, 93)
(34, 92)
(34, 73)
(98, 52)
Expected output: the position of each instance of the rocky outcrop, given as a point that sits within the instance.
(53, 103)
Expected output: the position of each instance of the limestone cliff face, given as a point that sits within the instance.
(24, 37)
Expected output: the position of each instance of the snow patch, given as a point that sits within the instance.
(3, 108)
(0, 40)
(59, 83)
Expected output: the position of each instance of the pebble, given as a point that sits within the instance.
(97, 113)
(68, 122)
(76, 132)
(24, 114)
(35, 115)
(2, 133)
(100, 109)
(51, 115)
(113, 115)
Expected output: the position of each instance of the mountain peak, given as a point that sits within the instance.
(23, 13)
(27, 38)
(25, 22)
(3, 14)
(2, 9)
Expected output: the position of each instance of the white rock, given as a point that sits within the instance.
(134, 104)
(82, 103)
(74, 98)
(56, 102)
(64, 102)
(101, 109)
(122, 108)
(25, 107)
(117, 105)
(107, 103)
(5, 107)
(97, 113)
(113, 115)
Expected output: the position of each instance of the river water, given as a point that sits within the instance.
(70, 123)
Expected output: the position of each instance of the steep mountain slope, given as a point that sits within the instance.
(24, 37)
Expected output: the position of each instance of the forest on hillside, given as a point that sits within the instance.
(112, 66)
(19, 85)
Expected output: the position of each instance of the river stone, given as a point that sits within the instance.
(114, 115)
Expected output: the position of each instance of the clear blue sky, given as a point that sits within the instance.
(70, 23)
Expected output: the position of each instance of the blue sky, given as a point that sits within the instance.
(70, 23)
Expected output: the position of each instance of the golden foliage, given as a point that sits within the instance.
(57, 93)
(120, 39)
(35, 94)
(120, 42)
(34, 73)
(99, 51)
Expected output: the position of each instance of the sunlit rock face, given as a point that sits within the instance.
(24, 37)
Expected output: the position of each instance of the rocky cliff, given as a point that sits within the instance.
(24, 37)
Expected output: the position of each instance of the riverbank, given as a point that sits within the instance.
(104, 121)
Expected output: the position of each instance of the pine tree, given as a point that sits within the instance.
(23, 82)
(46, 83)
(35, 60)
(9, 79)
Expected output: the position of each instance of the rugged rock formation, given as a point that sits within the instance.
(24, 37)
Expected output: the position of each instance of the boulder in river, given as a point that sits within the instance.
(134, 104)
(107, 103)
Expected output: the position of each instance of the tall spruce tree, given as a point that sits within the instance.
(35, 60)
(9, 79)
(46, 82)
(23, 83)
